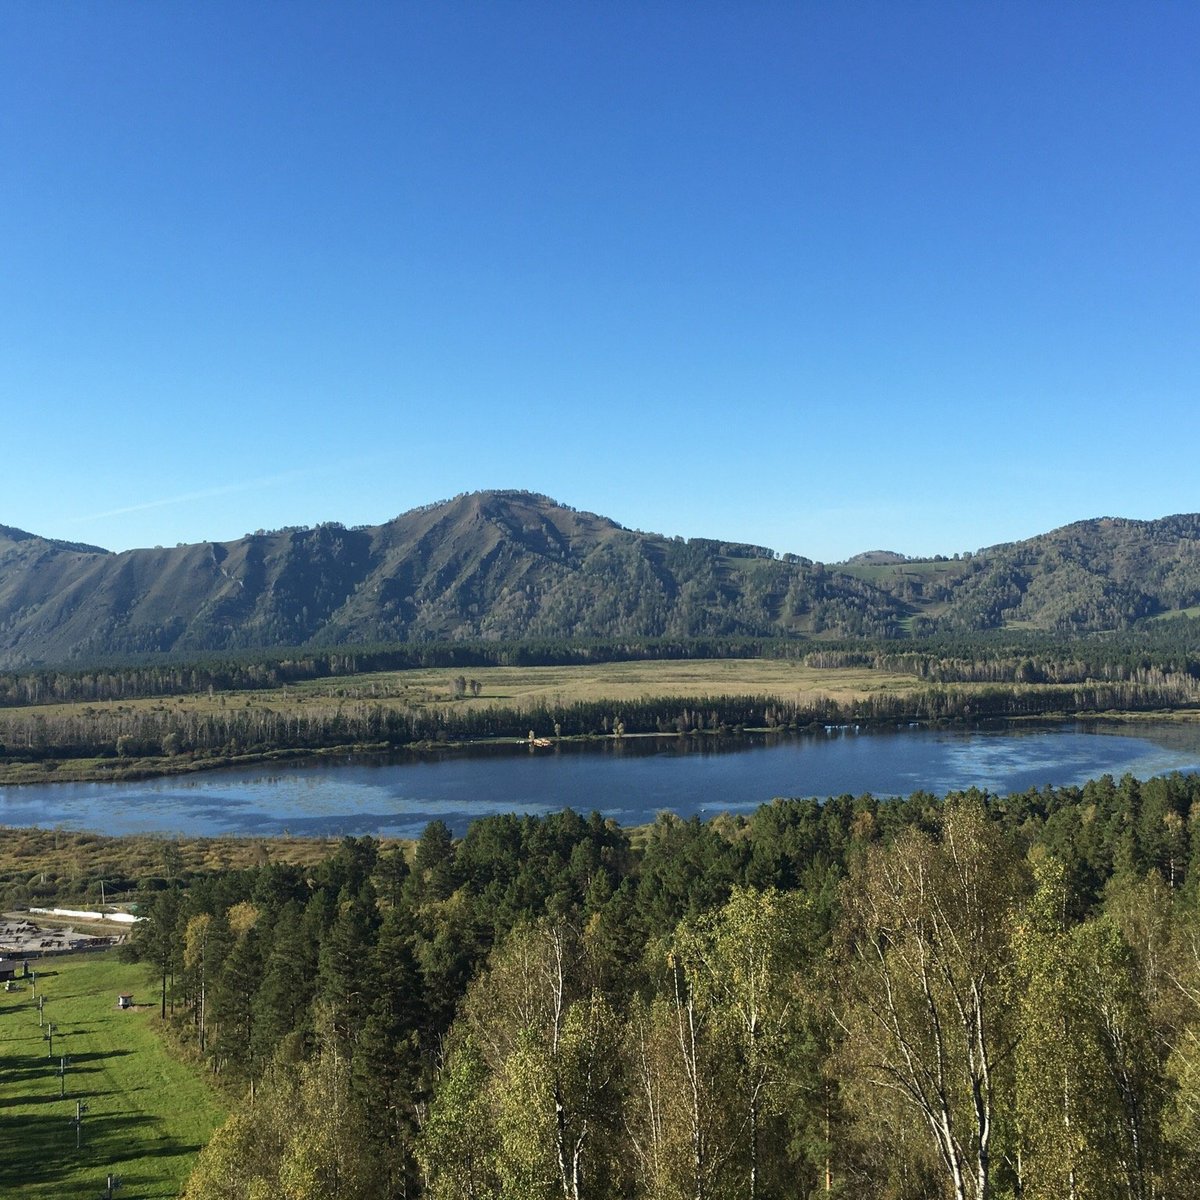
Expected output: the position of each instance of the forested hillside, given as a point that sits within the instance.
(902, 1000)
(1100, 574)
(506, 565)
(513, 566)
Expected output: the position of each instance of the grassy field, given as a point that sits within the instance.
(50, 863)
(148, 1115)
(518, 686)
(1194, 611)
(890, 572)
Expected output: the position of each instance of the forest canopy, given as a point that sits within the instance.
(972, 997)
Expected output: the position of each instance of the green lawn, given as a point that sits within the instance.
(1194, 611)
(147, 1114)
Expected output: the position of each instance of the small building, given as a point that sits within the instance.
(125, 1000)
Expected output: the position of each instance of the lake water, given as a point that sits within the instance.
(629, 780)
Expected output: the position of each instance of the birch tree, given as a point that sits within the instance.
(744, 962)
(550, 1044)
(457, 1146)
(928, 929)
(679, 1118)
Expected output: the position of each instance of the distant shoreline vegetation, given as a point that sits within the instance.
(120, 744)
(163, 715)
(1001, 656)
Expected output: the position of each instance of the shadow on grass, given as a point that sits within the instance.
(24, 1068)
(39, 1152)
(97, 1055)
(27, 1101)
(28, 1071)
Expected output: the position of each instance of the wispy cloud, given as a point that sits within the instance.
(226, 489)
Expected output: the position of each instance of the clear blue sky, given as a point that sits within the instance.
(822, 276)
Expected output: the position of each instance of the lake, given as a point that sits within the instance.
(629, 780)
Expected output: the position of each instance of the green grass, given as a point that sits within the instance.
(1194, 611)
(888, 572)
(148, 1114)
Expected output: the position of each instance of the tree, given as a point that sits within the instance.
(387, 1066)
(740, 963)
(158, 940)
(282, 1002)
(300, 1137)
(457, 1147)
(928, 928)
(345, 982)
(435, 860)
(682, 1066)
(549, 1041)
(1061, 1121)
(233, 997)
(195, 944)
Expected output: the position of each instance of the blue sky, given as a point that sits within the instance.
(825, 277)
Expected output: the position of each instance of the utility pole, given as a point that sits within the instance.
(41, 1005)
(114, 1182)
(62, 1077)
(49, 1037)
(77, 1121)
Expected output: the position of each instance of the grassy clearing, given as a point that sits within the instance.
(892, 572)
(517, 686)
(1194, 611)
(520, 686)
(50, 864)
(148, 1114)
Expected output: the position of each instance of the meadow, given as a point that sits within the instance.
(147, 1113)
(46, 866)
(516, 687)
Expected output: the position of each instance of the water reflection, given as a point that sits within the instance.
(630, 779)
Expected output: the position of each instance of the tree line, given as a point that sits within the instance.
(1156, 650)
(188, 735)
(904, 999)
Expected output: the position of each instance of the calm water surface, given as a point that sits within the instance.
(630, 781)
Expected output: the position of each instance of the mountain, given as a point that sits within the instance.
(513, 565)
(499, 565)
(1105, 573)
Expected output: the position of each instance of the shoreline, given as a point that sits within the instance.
(109, 770)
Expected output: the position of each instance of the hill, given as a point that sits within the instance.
(504, 565)
(1105, 573)
(513, 565)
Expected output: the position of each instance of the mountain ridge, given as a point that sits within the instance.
(511, 565)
